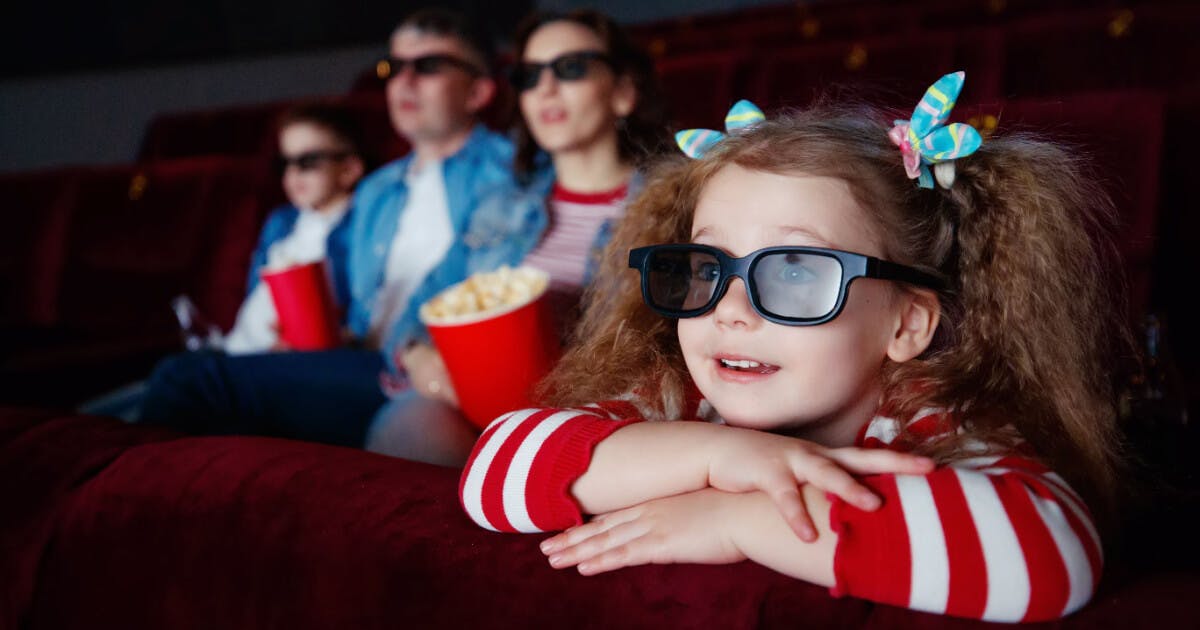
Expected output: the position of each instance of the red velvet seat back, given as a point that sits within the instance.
(1139, 47)
(700, 88)
(244, 130)
(1121, 132)
(144, 234)
(900, 65)
(118, 526)
(33, 244)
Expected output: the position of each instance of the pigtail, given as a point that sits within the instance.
(1035, 320)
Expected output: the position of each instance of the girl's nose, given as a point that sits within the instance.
(734, 309)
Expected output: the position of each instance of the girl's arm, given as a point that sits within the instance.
(1000, 539)
(542, 469)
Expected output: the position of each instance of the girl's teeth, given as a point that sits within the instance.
(743, 364)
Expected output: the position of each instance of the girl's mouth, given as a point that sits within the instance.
(746, 367)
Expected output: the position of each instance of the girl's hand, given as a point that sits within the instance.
(690, 527)
(427, 373)
(775, 464)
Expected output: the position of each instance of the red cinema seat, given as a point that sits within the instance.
(901, 65)
(33, 244)
(700, 88)
(1122, 132)
(1140, 47)
(242, 130)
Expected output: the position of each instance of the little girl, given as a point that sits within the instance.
(887, 375)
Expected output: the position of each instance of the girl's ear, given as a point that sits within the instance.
(481, 93)
(624, 96)
(916, 322)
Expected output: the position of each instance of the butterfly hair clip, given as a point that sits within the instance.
(924, 141)
(696, 142)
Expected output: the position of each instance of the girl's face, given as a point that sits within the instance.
(817, 382)
(318, 174)
(572, 115)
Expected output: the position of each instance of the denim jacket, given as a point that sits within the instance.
(278, 225)
(480, 170)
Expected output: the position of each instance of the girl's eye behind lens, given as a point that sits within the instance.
(707, 271)
(793, 269)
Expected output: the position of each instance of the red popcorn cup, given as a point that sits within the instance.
(496, 357)
(303, 298)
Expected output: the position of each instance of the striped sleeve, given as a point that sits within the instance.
(519, 474)
(992, 538)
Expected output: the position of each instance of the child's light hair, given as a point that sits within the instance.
(1031, 322)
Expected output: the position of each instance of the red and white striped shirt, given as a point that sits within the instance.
(575, 220)
(994, 537)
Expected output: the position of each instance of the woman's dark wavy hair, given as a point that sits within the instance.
(643, 133)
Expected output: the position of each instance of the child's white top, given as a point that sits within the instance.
(256, 328)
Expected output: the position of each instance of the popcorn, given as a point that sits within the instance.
(484, 293)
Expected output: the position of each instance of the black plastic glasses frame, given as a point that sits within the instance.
(424, 65)
(853, 266)
(309, 160)
(571, 66)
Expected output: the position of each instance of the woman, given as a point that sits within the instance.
(589, 100)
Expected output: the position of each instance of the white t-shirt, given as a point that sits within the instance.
(422, 239)
(256, 328)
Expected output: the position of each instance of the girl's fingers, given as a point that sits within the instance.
(785, 493)
(831, 477)
(579, 533)
(598, 543)
(623, 556)
(878, 460)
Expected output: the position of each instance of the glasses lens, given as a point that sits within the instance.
(570, 67)
(682, 280)
(526, 75)
(429, 64)
(797, 285)
(308, 161)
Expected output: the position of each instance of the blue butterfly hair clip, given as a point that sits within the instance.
(925, 142)
(696, 142)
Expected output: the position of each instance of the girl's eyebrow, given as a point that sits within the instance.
(788, 230)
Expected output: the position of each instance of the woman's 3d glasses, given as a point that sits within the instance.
(569, 67)
(793, 286)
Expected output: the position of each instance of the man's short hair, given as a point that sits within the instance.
(448, 23)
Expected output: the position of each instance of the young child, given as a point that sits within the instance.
(890, 374)
(321, 160)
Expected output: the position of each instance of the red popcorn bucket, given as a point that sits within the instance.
(303, 298)
(495, 358)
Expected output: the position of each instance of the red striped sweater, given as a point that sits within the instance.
(996, 537)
